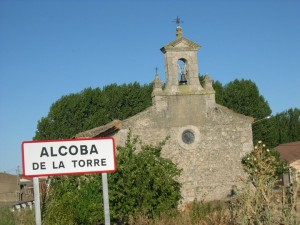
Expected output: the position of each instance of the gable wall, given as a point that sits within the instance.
(212, 164)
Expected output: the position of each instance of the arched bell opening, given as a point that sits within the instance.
(182, 71)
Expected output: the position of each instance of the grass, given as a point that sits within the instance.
(275, 208)
(22, 217)
(196, 213)
(279, 207)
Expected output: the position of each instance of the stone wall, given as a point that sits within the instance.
(9, 188)
(212, 163)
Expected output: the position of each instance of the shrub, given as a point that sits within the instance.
(144, 183)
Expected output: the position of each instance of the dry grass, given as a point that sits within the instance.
(245, 209)
(276, 208)
(196, 213)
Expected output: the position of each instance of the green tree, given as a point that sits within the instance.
(287, 125)
(243, 97)
(92, 107)
(146, 180)
(145, 183)
(218, 87)
(265, 130)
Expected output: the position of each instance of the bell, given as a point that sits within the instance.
(183, 80)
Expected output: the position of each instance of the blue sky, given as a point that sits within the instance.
(53, 48)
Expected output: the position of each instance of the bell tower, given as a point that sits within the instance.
(181, 65)
(182, 76)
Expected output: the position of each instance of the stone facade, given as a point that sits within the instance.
(206, 140)
(212, 162)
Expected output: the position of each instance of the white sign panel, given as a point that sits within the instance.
(72, 156)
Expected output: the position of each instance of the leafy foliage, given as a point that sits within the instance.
(265, 130)
(144, 183)
(218, 87)
(243, 96)
(282, 128)
(288, 126)
(92, 107)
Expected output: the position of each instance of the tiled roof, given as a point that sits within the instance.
(289, 151)
(101, 131)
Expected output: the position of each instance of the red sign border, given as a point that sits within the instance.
(70, 173)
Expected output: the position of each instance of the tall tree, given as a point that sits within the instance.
(288, 126)
(218, 87)
(265, 130)
(92, 107)
(243, 96)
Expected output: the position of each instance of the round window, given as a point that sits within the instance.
(188, 137)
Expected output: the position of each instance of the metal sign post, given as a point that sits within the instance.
(105, 199)
(37, 205)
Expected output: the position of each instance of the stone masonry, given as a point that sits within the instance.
(207, 140)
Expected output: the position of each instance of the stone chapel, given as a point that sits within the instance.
(206, 140)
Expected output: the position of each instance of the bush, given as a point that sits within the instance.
(144, 183)
(263, 161)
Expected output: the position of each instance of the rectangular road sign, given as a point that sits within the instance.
(71, 156)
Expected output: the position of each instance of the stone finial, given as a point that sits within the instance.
(157, 85)
(179, 33)
(207, 82)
